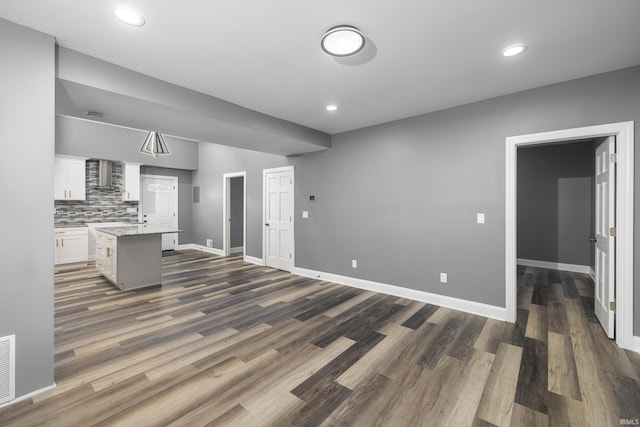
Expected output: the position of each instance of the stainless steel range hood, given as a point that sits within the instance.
(105, 168)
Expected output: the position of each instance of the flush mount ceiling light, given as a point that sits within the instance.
(343, 40)
(154, 144)
(129, 16)
(331, 107)
(513, 50)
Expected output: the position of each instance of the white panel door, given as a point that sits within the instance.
(279, 219)
(605, 243)
(159, 207)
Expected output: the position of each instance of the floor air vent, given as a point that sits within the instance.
(7, 368)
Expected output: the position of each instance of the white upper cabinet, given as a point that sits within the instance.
(131, 182)
(69, 178)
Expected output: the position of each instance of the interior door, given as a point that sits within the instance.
(159, 206)
(604, 238)
(279, 219)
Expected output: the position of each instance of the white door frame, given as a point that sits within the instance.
(226, 212)
(174, 181)
(624, 133)
(264, 212)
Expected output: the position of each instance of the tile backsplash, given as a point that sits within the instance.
(102, 205)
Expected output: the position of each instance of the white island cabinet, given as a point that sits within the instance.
(70, 245)
(131, 256)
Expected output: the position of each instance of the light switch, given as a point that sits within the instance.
(480, 218)
(305, 214)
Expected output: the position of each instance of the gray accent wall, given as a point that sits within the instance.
(185, 198)
(214, 161)
(26, 171)
(556, 203)
(402, 197)
(236, 211)
(91, 139)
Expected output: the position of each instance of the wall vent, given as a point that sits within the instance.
(7, 368)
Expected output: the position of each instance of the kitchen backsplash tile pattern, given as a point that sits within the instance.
(102, 205)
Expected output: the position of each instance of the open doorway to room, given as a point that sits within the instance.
(234, 213)
(613, 217)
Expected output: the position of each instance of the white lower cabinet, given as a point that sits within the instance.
(71, 245)
(106, 255)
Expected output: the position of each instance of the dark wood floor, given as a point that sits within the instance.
(229, 343)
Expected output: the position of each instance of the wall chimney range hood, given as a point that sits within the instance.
(105, 172)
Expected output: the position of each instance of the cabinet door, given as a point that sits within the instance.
(60, 179)
(131, 187)
(73, 249)
(76, 179)
(56, 251)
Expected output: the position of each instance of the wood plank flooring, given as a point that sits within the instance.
(224, 343)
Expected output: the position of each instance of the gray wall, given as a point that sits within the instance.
(214, 161)
(236, 211)
(185, 199)
(26, 171)
(90, 139)
(402, 197)
(556, 203)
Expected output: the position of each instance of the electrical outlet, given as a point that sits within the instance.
(443, 277)
(209, 243)
(354, 263)
(480, 218)
(305, 214)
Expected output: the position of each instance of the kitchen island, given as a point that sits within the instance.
(130, 256)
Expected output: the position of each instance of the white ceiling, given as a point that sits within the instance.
(421, 56)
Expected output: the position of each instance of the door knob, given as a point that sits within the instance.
(267, 224)
(593, 239)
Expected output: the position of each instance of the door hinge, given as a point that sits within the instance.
(614, 157)
(174, 214)
(612, 305)
(613, 232)
(290, 256)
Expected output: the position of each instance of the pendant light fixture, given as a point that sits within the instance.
(343, 40)
(154, 144)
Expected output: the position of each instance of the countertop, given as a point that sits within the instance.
(138, 230)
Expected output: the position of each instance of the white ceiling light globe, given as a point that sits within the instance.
(343, 40)
(514, 50)
(128, 16)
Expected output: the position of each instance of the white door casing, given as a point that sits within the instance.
(226, 212)
(624, 218)
(159, 205)
(278, 218)
(605, 243)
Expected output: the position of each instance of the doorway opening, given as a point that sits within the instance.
(234, 202)
(624, 172)
(159, 205)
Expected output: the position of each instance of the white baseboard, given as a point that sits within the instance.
(237, 250)
(486, 310)
(29, 395)
(253, 260)
(214, 251)
(574, 268)
(592, 274)
(636, 344)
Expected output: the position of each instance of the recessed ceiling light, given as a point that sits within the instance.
(129, 16)
(514, 50)
(343, 40)
(331, 107)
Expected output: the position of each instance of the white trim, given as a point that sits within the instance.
(176, 199)
(293, 210)
(592, 274)
(472, 307)
(194, 246)
(237, 250)
(624, 133)
(28, 395)
(226, 210)
(253, 260)
(574, 268)
(636, 344)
